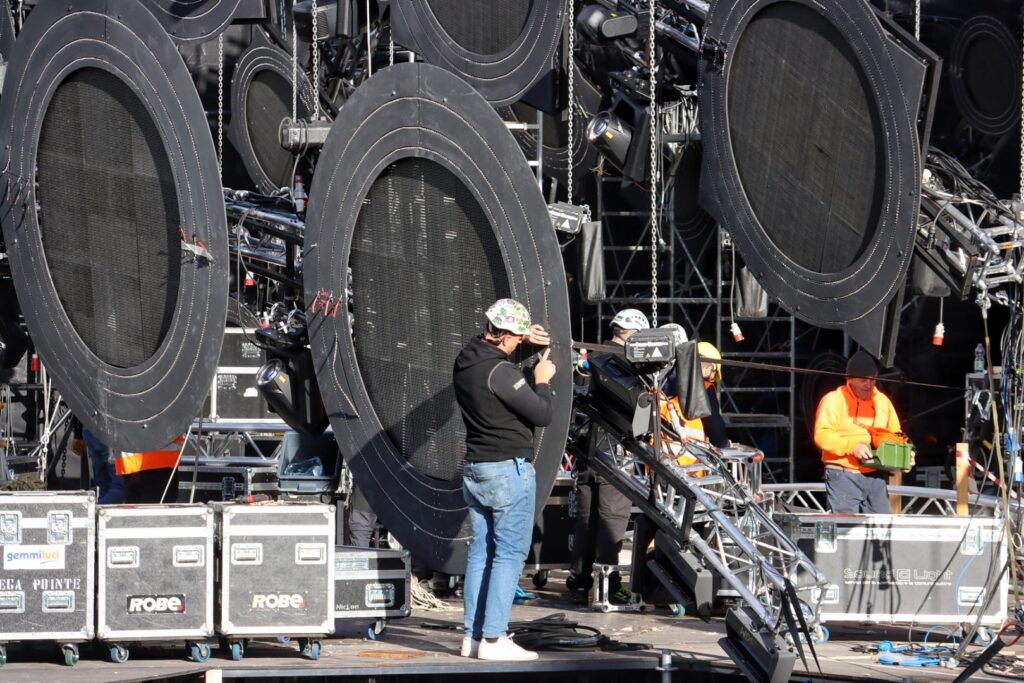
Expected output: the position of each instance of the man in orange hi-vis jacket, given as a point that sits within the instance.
(841, 430)
(148, 475)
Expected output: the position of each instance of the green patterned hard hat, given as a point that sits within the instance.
(509, 315)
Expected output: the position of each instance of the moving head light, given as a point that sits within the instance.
(600, 23)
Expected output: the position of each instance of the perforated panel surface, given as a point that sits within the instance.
(806, 137)
(984, 75)
(107, 157)
(423, 195)
(500, 48)
(420, 226)
(111, 237)
(265, 107)
(482, 26)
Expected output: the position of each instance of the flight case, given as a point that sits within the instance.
(48, 579)
(155, 576)
(371, 584)
(276, 575)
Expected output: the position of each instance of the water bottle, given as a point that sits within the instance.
(979, 358)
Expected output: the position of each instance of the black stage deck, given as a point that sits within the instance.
(411, 652)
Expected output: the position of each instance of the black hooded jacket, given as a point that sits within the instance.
(499, 406)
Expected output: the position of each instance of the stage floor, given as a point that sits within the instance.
(409, 649)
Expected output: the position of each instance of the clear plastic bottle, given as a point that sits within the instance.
(979, 358)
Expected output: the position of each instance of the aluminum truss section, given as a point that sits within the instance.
(705, 509)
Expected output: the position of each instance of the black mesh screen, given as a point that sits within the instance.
(425, 263)
(806, 137)
(988, 72)
(269, 102)
(485, 27)
(109, 217)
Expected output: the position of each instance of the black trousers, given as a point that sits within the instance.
(148, 486)
(601, 520)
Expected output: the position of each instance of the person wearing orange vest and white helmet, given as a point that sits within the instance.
(603, 512)
(151, 476)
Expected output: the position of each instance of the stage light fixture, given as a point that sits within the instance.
(289, 387)
(611, 136)
(601, 24)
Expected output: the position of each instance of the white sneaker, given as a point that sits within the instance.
(470, 646)
(504, 650)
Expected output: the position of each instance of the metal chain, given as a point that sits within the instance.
(316, 66)
(654, 163)
(391, 45)
(917, 19)
(220, 104)
(572, 98)
(295, 73)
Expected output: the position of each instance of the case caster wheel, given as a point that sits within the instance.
(284, 640)
(236, 650)
(118, 654)
(70, 654)
(310, 648)
(676, 609)
(540, 579)
(200, 652)
(984, 636)
(3, 655)
(821, 634)
(378, 630)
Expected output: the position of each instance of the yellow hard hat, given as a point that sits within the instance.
(708, 350)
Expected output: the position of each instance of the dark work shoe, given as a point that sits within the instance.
(578, 596)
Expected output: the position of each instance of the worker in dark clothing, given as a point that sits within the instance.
(500, 410)
(602, 511)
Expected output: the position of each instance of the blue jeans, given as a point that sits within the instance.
(110, 483)
(500, 496)
(853, 493)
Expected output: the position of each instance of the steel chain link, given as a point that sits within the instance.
(220, 104)
(315, 75)
(655, 123)
(295, 72)
(917, 19)
(572, 98)
(391, 45)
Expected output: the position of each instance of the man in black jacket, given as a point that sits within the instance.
(500, 410)
(602, 511)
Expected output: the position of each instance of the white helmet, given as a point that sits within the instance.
(631, 319)
(677, 332)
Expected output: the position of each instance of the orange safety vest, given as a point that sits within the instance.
(166, 458)
(691, 429)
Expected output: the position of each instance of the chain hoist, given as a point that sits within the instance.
(917, 19)
(652, 65)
